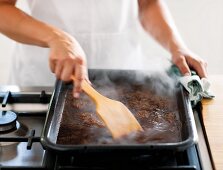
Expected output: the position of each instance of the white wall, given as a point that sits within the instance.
(6, 47)
(200, 23)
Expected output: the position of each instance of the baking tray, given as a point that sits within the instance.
(54, 115)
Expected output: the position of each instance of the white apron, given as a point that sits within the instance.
(107, 30)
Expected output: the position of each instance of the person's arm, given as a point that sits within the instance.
(66, 56)
(157, 21)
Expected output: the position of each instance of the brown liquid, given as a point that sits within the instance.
(157, 115)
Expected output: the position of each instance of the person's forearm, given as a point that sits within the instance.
(21, 27)
(158, 22)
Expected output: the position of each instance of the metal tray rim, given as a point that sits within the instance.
(177, 146)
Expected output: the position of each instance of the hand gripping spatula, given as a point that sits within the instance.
(116, 116)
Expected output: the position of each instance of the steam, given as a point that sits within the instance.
(158, 82)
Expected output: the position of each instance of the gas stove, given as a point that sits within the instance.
(22, 117)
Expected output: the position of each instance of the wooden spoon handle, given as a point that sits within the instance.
(89, 90)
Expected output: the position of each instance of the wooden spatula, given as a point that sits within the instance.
(116, 116)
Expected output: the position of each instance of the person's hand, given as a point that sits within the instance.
(67, 58)
(186, 60)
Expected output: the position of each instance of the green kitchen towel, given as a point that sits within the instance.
(196, 87)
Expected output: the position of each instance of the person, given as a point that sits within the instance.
(81, 34)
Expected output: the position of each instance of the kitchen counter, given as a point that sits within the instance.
(213, 120)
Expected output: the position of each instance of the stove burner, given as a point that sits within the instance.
(19, 131)
(7, 120)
